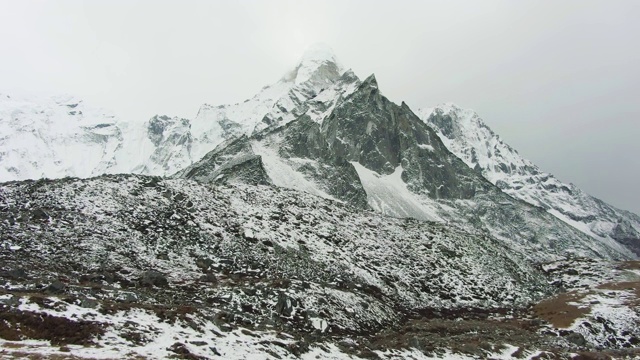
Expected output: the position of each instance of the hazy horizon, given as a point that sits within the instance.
(558, 81)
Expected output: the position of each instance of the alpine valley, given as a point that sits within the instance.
(316, 220)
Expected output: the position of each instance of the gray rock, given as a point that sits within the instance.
(88, 303)
(39, 214)
(209, 278)
(56, 287)
(576, 338)
(126, 297)
(285, 305)
(204, 263)
(11, 302)
(232, 160)
(17, 274)
(153, 278)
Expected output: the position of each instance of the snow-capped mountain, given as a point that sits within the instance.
(316, 220)
(374, 154)
(55, 137)
(465, 134)
(62, 136)
(313, 87)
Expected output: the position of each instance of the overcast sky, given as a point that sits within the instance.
(558, 80)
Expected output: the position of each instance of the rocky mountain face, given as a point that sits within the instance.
(171, 141)
(468, 137)
(62, 136)
(55, 137)
(312, 88)
(372, 153)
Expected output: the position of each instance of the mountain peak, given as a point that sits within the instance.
(317, 64)
(371, 81)
(319, 53)
(448, 108)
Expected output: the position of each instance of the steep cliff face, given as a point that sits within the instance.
(467, 136)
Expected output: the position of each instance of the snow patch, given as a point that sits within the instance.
(389, 195)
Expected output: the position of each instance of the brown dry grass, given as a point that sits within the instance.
(23, 355)
(559, 312)
(623, 285)
(16, 325)
(633, 286)
(630, 265)
(13, 345)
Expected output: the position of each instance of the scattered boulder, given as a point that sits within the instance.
(127, 297)
(108, 277)
(10, 301)
(88, 303)
(209, 278)
(204, 263)
(250, 235)
(153, 182)
(285, 305)
(16, 274)
(576, 338)
(39, 214)
(572, 271)
(56, 287)
(198, 343)
(181, 350)
(153, 278)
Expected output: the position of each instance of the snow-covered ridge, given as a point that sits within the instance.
(465, 134)
(311, 86)
(55, 137)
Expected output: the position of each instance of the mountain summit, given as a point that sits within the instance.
(318, 64)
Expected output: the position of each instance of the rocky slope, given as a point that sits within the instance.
(468, 137)
(239, 257)
(63, 136)
(125, 266)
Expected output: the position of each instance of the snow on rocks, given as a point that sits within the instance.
(242, 261)
(466, 135)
